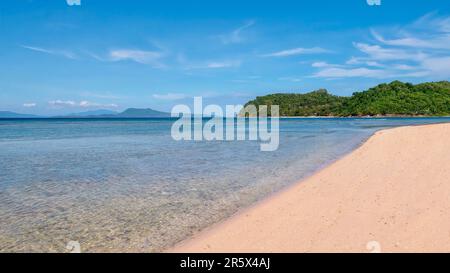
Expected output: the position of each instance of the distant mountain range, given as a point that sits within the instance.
(8, 114)
(128, 113)
(92, 113)
(142, 113)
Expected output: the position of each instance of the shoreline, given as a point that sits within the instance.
(242, 211)
(270, 225)
(358, 117)
(206, 117)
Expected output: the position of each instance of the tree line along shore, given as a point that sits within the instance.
(393, 99)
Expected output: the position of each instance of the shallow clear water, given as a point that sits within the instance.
(125, 185)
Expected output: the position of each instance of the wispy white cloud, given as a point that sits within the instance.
(29, 104)
(170, 96)
(356, 68)
(297, 51)
(101, 95)
(351, 73)
(324, 64)
(403, 67)
(439, 66)
(62, 103)
(408, 42)
(82, 104)
(363, 61)
(420, 49)
(376, 52)
(152, 58)
(290, 79)
(98, 57)
(430, 20)
(87, 104)
(320, 64)
(179, 96)
(236, 35)
(216, 64)
(73, 2)
(223, 64)
(248, 79)
(374, 64)
(64, 53)
(428, 32)
(377, 71)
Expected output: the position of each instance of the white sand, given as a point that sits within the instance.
(394, 189)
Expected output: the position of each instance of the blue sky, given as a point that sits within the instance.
(58, 58)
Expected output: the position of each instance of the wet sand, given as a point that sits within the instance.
(392, 194)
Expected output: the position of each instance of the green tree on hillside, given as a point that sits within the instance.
(395, 98)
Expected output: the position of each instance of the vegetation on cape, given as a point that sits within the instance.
(393, 99)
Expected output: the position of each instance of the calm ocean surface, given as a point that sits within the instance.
(125, 185)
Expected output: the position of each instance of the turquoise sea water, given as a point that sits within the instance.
(125, 185)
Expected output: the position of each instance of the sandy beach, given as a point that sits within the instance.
(392, 194)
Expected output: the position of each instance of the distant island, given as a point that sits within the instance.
(101, 112)
(9, 114)
(142, 113)
(128, 113)
(393, 99)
